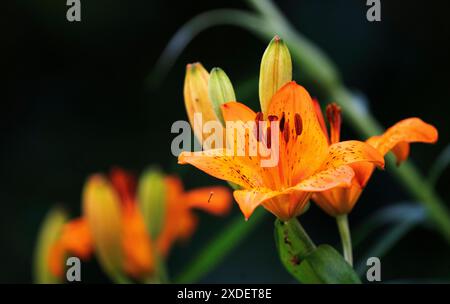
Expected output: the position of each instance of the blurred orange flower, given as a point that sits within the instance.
(82, 236)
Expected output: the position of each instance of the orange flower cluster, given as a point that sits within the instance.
(113, 225)
(312, 163)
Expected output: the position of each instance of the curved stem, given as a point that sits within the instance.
(346, 239)
(198, 24)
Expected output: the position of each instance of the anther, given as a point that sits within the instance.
(282, 120)
(210, 196)
(298, 124)
(269, 138)
(259, 117)
(286, 132)
(272, 118)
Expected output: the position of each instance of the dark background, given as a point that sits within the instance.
(76, 101)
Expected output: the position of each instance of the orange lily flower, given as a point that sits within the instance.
(307, 163)
(138, 249)
(341, 200)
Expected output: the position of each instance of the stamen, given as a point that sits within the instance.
(282, 120)
(210, 196)
(269, 138)
(334, 118)
(259, 117)
(272, 118)
(298, 124)
(286, 132)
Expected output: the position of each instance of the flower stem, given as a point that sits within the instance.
(346, 239)
(305, 245)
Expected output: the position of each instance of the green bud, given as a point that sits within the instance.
(276, 71)
(220, 90)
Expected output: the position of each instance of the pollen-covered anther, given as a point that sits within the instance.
(272, 118)
(259, 117)
(269, 138)
(298, 124)
(282, 121)
(286, 132)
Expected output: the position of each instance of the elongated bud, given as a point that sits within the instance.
(152, 200)
(220, 91)
(196, 97)
(43, 258)
(102, 210)
(276, 70)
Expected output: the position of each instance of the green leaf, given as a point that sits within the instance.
(326, 265)
(306, 262)
(401, 217)
(217, 249)
(441, 163)
(393, 214)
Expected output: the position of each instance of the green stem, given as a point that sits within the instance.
(346, 238)
(160, 276)
(119, 278)
(221, 245)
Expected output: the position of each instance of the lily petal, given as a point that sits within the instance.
(290, 202)
(283, 204)
(339, 200)
(240, 117)
(401, 151)
(320, 117)
(76, 238)
(223, 165)
(233, 111)
(137, 250)
(248, 200)
(326, 179)
(406, 131)
(304, 152)
(353, 151)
